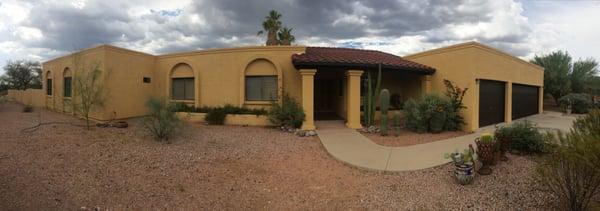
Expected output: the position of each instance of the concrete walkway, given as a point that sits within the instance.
(351, 147)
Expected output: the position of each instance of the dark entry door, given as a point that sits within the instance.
(491, 102)
(323, 95)
(525, 100)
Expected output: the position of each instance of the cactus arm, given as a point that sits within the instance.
(369, 101)
(384, 100)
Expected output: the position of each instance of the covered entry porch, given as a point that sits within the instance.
(332, 79)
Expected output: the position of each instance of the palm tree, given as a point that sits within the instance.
(285, 36)
(271, 25)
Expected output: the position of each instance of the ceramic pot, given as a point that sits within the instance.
(463, 174)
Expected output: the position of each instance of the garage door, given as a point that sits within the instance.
(491, 102)
(525, 100)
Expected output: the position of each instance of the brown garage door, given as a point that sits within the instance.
(491, 102)
(525, 100)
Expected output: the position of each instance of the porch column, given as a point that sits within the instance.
(353, 103)
(426, 84)
(308, 79)
(508, 102)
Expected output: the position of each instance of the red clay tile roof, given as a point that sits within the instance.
(315, 57)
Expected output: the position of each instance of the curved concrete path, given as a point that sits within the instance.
(351, 147)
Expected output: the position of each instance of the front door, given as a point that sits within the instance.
(324, 95)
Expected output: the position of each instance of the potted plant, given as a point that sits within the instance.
(486, 152)
(464, 165)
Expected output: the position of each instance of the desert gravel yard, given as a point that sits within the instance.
(62, 167)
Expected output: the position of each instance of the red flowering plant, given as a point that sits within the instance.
(456, 95)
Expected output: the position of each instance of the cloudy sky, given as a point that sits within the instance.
(43, 29)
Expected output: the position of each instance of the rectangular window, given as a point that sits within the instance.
(146, 80)
(67, 87)
(182, 89)
(261, 88)
(49, 86)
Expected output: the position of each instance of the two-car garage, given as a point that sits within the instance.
(492, 101)
(501, 87)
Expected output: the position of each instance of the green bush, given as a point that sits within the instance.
(524, 137)
(229, 109)
(162, 121)
(216, 116)
(428, 114)
(580, 103)
(288, 114)
(571, 172)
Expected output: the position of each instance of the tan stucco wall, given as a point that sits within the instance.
(220, 73)
(219, 76)
(33, 97)
(126, 90)
(465, 63)
(407, 85)
(55, 69)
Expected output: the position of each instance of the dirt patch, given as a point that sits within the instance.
(407, 137)
(62, 167)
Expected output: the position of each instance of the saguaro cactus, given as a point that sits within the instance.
(384, 98)
(371, 98)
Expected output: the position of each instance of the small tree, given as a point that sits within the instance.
(89, 90)
(162, 121)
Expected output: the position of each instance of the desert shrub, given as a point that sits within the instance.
(524, 137)
(27, 109)
(216, 116)
(571, 172)
(288, 114)
(580, 103)
(162, 121)
(428, 114)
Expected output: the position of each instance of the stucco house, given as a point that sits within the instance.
(326, 81)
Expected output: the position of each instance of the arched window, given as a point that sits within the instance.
(67, 83)
(182, 82)
(49, 83)
(261, 81)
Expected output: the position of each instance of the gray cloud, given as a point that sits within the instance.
(226, 23)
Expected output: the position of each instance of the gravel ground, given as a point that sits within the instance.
(407, 137)
(62, 167)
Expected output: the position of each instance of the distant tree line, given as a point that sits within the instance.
(21, 75)
(563, 76)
